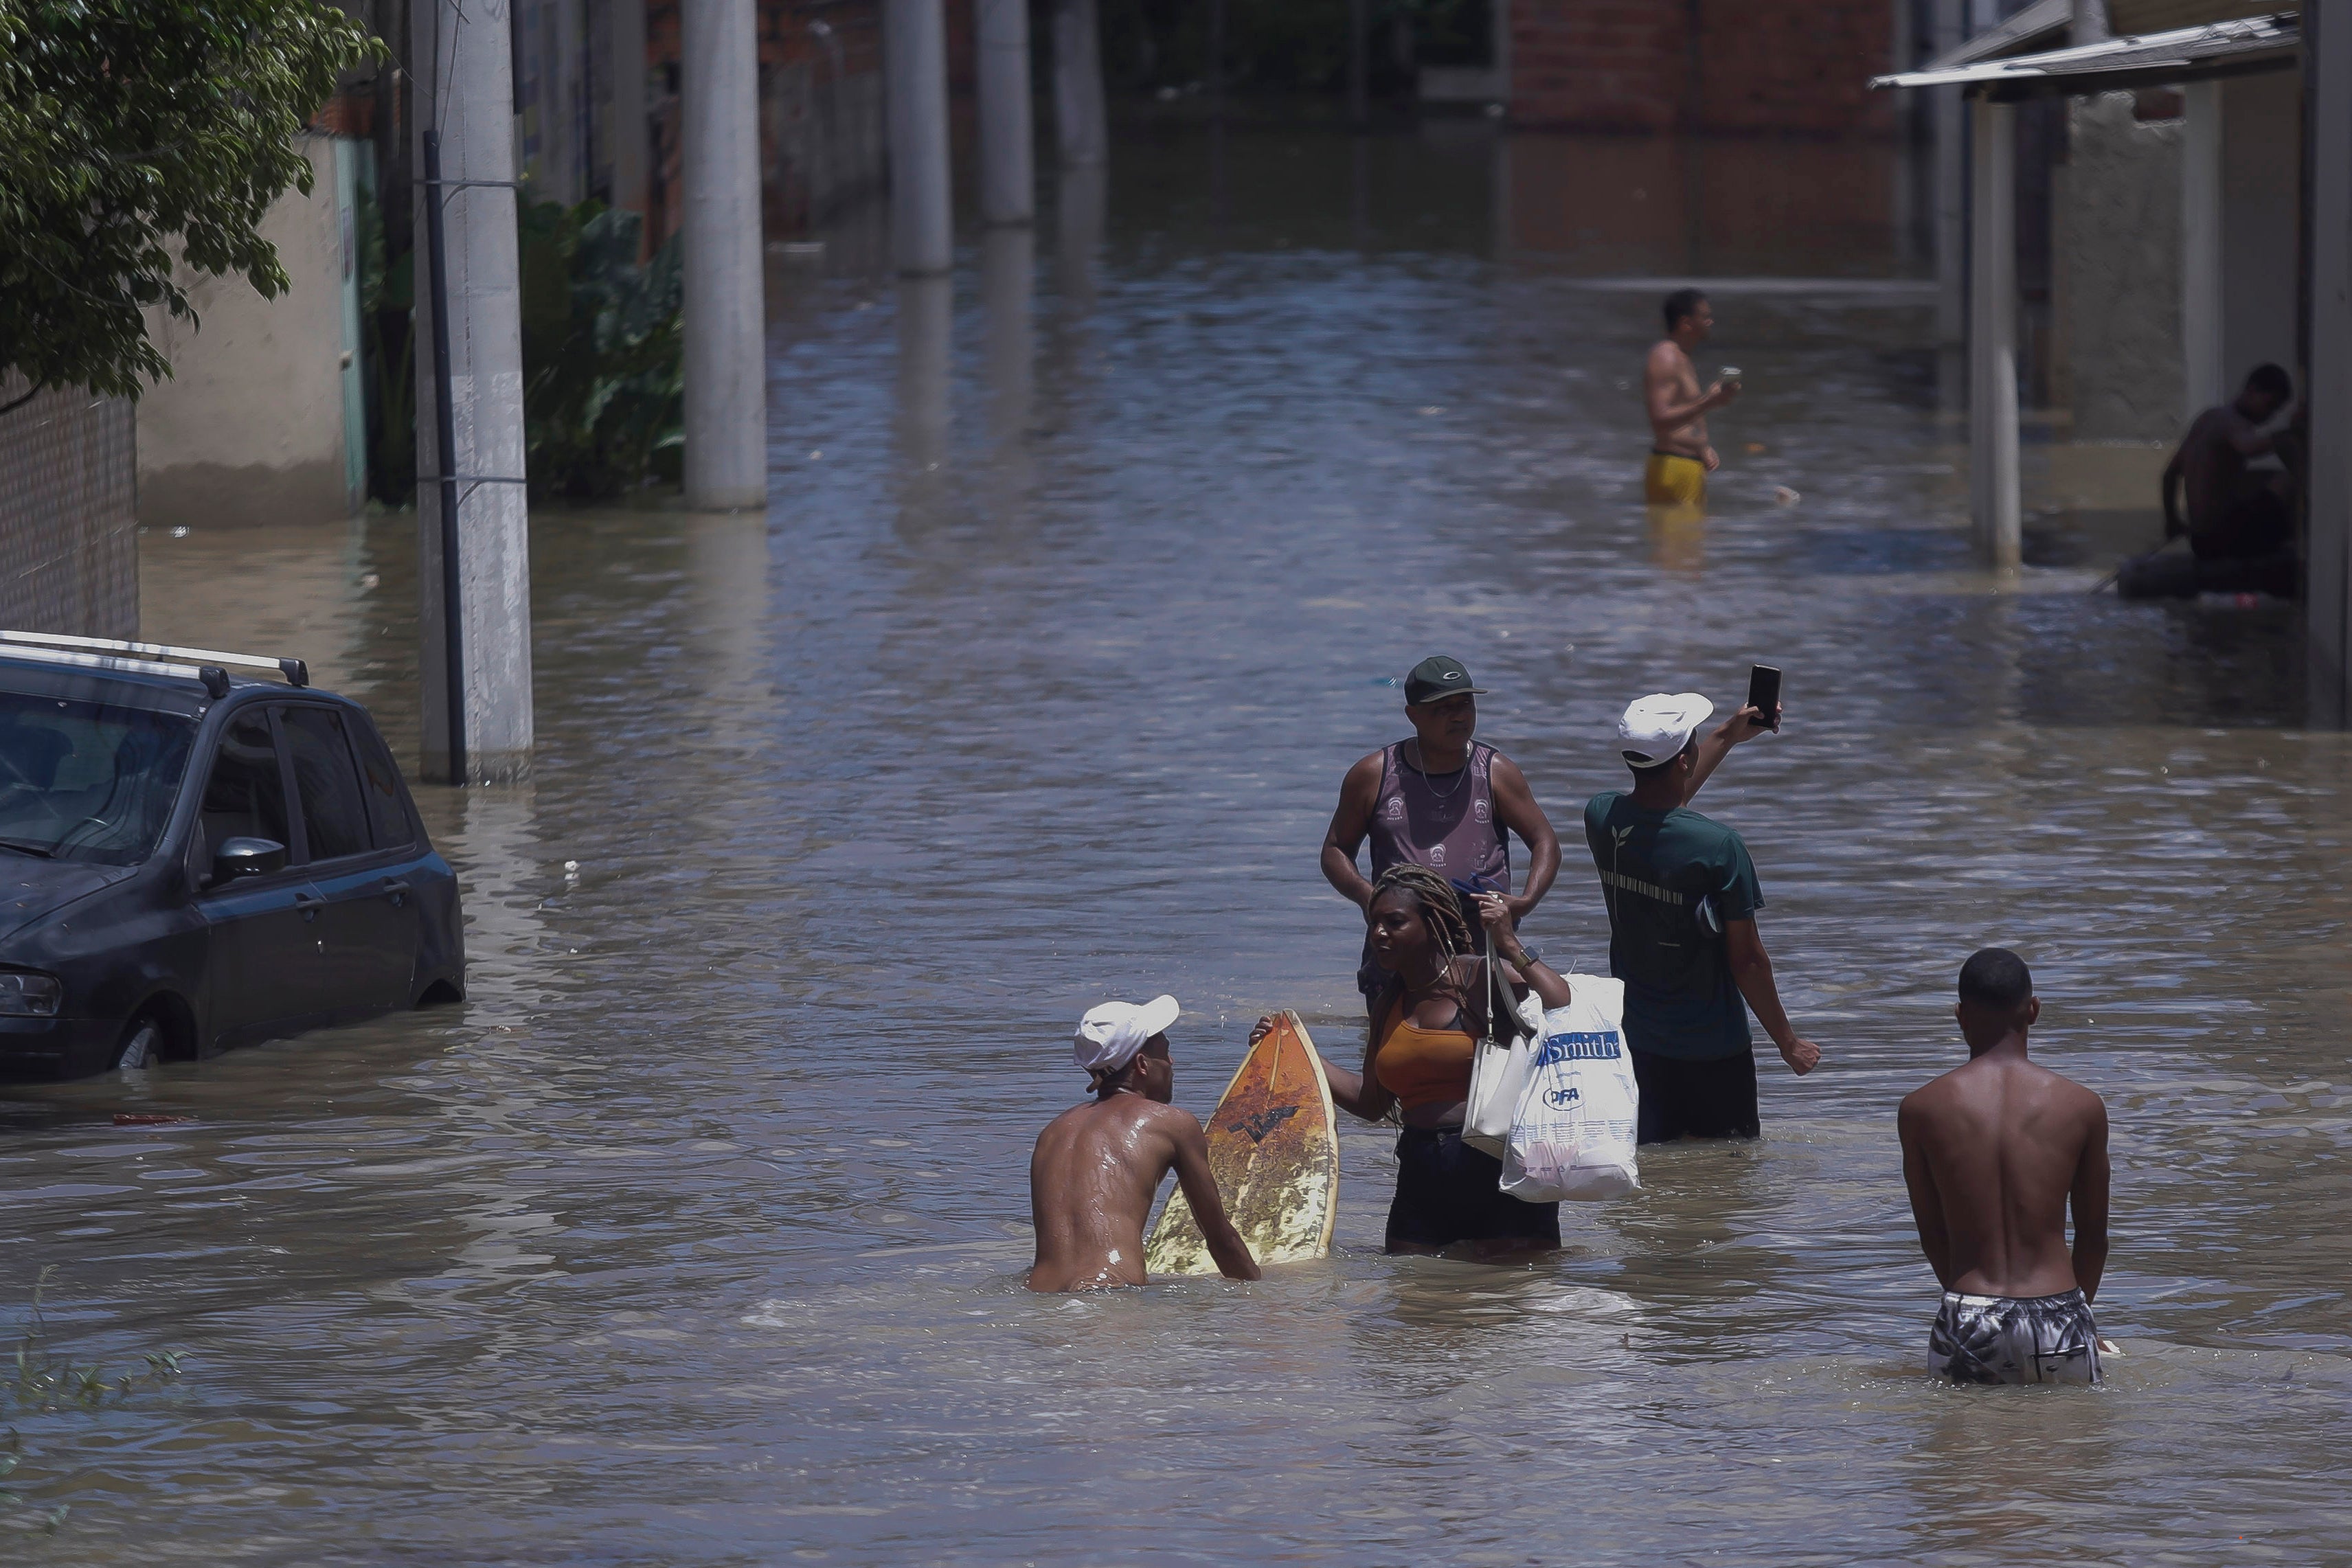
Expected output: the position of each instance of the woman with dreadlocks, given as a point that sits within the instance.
(1427, 1020)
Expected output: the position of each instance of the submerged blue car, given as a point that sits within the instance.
(195, 856)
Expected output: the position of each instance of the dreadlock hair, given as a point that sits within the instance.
(1440, 911)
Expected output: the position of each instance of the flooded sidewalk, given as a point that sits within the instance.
(696, 1237)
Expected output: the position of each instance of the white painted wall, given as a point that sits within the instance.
(249, 426)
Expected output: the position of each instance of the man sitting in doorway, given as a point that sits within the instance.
(2233, 514)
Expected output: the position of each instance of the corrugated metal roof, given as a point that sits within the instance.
(2185, 54)
(2037, 23)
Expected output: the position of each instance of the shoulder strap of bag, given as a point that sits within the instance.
(1491, 1037)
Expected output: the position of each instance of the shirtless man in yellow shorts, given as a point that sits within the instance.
(1680, 459)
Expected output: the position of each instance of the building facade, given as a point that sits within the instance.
(1735, 67)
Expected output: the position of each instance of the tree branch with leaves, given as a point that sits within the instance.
(136, 135)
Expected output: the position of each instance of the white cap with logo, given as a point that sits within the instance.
(1109, 1035)
(1656, 728)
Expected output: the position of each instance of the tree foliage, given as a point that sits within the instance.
(126, 126)
(603, 351)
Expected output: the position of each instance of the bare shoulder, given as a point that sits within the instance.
(2079, 1098)
(1069, 1124)
(1363, 781)
(1174, 1119)
(1172, 1122)
(1929, 1098)
(1666, 356)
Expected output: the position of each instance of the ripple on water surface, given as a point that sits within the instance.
(695, 1236)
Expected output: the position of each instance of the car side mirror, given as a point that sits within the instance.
(248, 857)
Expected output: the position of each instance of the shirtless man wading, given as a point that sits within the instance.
(1992, 1153)
(1680, 459)
(1096, 1165)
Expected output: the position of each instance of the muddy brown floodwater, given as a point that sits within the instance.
(695, 1236)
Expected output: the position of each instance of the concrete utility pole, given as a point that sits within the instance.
(472, 524)
(1359, 63)
(726, 311)
(1081, 120)
(1993, 334)
(2200, 248)
(2327, 360)
(1217, 60)
(915, 65)
(1499, 46)
(1948, 117)
(1008, 173)
(1008, 272)
(631, 143)
(926, 323)
(1082, 211)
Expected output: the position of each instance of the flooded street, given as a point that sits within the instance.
(696, 1237)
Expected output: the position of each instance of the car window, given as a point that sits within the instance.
(380, 782)
(334, 818)
(244, 798)
(87, 780)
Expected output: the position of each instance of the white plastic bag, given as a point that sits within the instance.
(1498, 1072)
(1572, 1133)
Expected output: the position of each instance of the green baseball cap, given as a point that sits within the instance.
(1436, 678)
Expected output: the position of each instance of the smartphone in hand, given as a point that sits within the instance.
(1764, 695)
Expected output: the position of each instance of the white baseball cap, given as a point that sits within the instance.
(1109, 1035)
(1657, 727)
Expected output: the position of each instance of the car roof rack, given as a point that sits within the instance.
(296, 672)
(215, 678)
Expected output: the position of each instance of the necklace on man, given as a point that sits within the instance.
(1427, 778)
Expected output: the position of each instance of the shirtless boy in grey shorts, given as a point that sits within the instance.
(1993, 1152)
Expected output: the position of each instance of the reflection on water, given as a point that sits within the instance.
(696, 1237)
(1677, 535)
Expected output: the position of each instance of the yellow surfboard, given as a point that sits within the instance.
(1274, 1147)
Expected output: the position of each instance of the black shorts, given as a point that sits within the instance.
(1694, 1098)
(1446, 1193)
(2259, 523)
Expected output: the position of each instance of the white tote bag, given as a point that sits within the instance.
(1572, 1133)
(1498, 1070)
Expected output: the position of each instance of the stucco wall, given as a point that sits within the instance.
(2116, 251)
(249, 426)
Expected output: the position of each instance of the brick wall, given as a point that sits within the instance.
(1757, 66)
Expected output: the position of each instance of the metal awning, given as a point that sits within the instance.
(2154, 59)
(2037, 23)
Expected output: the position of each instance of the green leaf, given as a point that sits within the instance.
(133, 129)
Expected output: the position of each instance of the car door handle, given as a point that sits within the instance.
(309, 903)
(394, 889)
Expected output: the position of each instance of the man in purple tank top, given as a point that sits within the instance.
(1442, 800)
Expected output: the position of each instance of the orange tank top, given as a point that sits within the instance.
(1424, 1066)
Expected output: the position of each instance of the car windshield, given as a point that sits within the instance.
(86, 781)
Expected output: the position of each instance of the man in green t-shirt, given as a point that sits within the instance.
(1682, 899)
